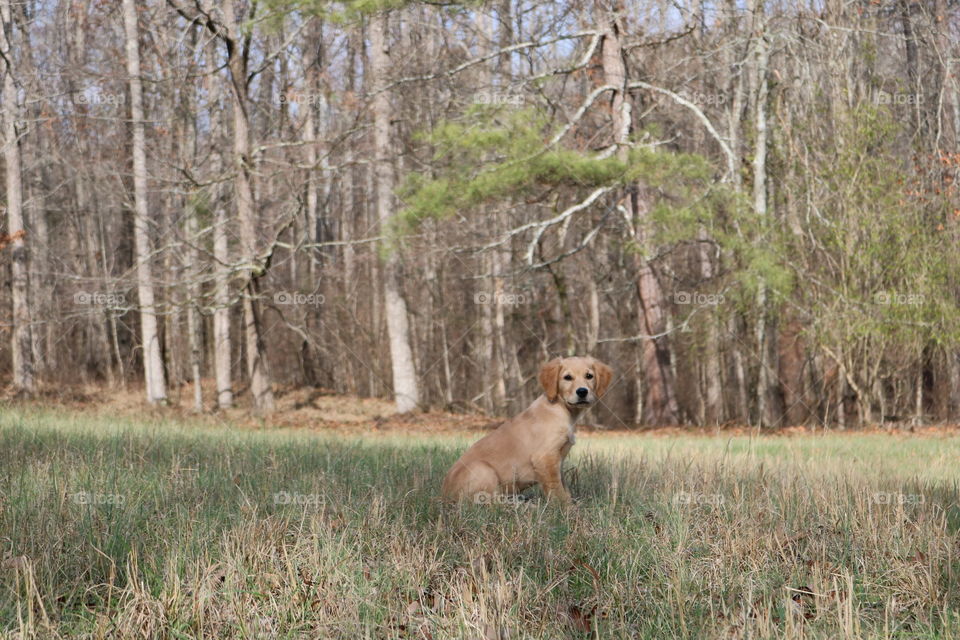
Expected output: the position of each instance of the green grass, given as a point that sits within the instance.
(171, 530)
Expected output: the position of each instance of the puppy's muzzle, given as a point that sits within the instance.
(582, 399)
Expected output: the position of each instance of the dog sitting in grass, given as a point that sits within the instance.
(530, 448)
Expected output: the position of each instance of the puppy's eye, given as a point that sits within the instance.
(589, 376)
(568, 377)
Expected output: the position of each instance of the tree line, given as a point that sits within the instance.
(748, 209)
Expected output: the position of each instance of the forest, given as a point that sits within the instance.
(748, 209)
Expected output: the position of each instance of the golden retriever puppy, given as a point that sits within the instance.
(531, 447)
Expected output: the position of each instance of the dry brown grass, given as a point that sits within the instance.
(179, 533)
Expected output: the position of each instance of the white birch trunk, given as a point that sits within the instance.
(156, 386)
(405, 388)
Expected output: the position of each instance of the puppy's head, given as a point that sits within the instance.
(577, 382)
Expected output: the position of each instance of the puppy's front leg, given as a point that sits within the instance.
(547, 470)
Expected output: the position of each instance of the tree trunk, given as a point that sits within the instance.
(193, 328)
(712, 397)
(98, 344)
(22, 341)
(791, 350)
(659, 402)
(405, 388)
(45, 339)
(191, 261)
(953, 383)
(506, 355)
(315, 127)
(486, 298)
(486, 341)
(194, 321)
(257, 368)
(41, 302)
(311, 71)
(907, 8)
(766, 405)
(222, 340)
(156, 385)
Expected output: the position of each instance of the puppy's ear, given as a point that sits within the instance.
(550, 379)
(604, 376)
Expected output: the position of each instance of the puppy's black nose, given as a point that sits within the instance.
(582, 392)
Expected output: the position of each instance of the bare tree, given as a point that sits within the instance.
(22, 341)
(255, 349)
(766, 369)
(659, 402)
(405, 388)
(237, 46)
(156, 385)
(222, 341)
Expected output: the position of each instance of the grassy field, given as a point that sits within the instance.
(153, 529)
